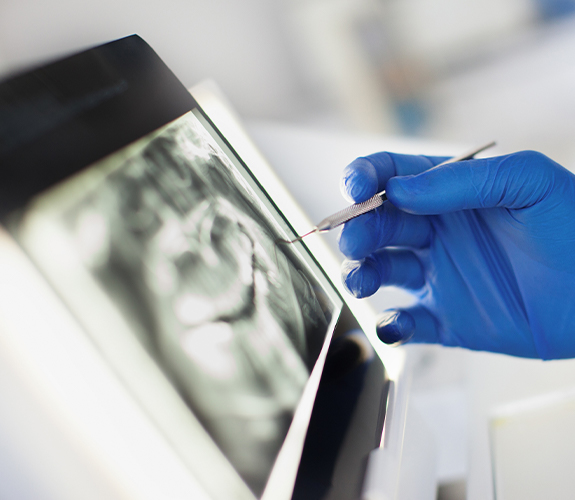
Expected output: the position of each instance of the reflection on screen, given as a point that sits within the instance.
(178, 239)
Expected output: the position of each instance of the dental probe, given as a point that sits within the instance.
(357, 209)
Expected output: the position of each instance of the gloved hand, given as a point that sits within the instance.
(487, 246)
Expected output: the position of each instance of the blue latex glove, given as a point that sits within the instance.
(487, 246)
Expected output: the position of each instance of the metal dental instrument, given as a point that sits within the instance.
(375, 201)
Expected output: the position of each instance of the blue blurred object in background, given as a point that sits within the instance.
(553, 9)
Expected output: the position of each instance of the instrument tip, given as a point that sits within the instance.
(299, 238)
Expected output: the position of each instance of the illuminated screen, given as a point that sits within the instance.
(171, 240)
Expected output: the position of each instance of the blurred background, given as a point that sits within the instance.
(458, 71)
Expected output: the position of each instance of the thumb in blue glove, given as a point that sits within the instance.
(487, 247)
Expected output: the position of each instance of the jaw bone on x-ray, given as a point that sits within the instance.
(179, 240)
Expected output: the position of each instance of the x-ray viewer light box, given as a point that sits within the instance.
(161, 243)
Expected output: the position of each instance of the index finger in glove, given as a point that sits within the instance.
(368, 175)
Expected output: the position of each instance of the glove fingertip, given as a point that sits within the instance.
(359, 181)
(356, 240)
(395, 327)
(400, 191)
(359, 279)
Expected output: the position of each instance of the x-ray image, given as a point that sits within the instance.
(177, 238)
